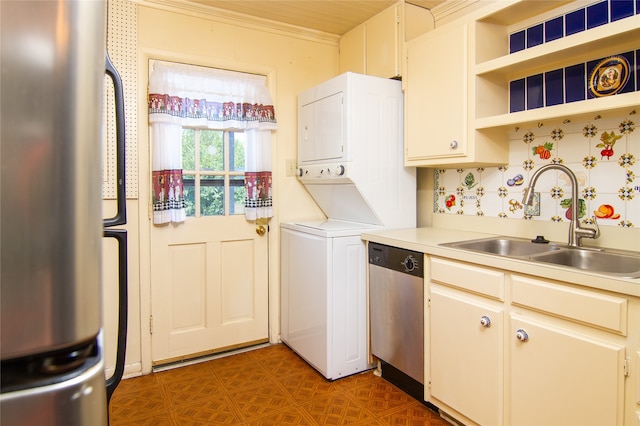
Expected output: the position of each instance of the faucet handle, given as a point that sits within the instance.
(596, 227)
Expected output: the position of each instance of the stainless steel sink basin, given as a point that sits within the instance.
(595, 261)
(503, 246)
(610, 262)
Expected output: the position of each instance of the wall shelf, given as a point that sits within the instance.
(494, 68)
(623, 34)
(618, 105)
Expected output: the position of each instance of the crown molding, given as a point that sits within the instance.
(450, 9)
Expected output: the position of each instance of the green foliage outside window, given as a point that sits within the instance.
(213, 174)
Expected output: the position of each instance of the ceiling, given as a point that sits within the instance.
(329, 16)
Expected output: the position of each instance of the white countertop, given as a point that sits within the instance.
(427, 240)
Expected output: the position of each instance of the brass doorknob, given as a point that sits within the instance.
(261, 230)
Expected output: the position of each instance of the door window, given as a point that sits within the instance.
(213, 172)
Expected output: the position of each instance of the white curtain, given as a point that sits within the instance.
(257, 177)
(186, 95)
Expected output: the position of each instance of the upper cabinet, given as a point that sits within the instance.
(467, 87)
(382, 43)
(438, 102)
(352, 51)
(376, 46)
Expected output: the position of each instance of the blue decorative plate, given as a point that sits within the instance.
(609, 76)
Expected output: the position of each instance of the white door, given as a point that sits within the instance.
(209, 278)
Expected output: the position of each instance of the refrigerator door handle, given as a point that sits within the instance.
(121, 236)
(121, 215)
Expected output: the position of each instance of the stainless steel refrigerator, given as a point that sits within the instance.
(52, 63)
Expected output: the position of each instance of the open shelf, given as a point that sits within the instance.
(494, 67)
(612, 106)
(587, 45)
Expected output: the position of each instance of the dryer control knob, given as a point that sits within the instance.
(300, 172)
(340, 170)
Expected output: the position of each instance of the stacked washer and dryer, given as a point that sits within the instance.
(350, 159)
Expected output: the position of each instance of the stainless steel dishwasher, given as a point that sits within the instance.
(396, 304)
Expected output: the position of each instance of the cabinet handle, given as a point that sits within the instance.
(522, 335)
(485, 321)
(453, 145)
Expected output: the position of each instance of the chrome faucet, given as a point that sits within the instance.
(576, 233)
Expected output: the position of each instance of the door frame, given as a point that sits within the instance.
(145, 210)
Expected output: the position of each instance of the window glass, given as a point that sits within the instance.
(211, 150)
(212, 195)
(236, 195)
(189, 194)
(188, 149)
(213, 172)
(238, 148)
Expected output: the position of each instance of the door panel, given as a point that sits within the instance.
(209, 287)
(237, 282)
(188, 286)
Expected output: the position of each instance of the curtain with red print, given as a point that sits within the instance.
(257, 177)
(183, 95)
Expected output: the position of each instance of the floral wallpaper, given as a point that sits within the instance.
(604, 154)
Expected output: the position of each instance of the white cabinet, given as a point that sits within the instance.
(376, 46)
(382, 48)
(508, 349)
(352, 51)
(373, 48)
(465, 345)
(458, 80)
(577, 378)
(438, 99)
(466, 337)
(568, 344)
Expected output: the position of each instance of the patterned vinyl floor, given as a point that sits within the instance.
(267, 386)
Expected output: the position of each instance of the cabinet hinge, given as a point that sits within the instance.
(150, 324)
(150, 211)
(627, 362)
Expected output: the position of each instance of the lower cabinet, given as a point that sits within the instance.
(506, 349)
(467, 354)
(561, 377)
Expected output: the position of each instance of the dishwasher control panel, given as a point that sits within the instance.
(397, 259)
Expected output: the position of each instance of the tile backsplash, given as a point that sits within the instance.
(604, 154)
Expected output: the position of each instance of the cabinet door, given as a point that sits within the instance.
(466, 356)
(436, 94)
(382, 44)
(352, 51)
(559, 377)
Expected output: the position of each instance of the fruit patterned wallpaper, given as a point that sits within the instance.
(603, 153)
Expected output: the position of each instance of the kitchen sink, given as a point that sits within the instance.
(503, 246)
(595, 261)
(611, 262)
